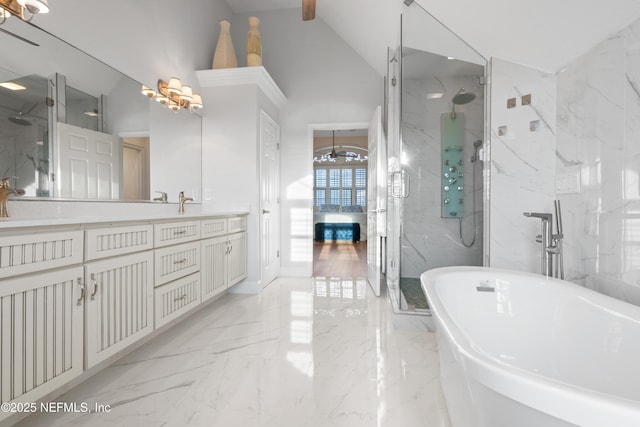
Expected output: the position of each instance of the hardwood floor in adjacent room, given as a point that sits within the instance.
(339, 259)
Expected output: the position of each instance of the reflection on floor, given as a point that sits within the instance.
(340, 259)
(305, 352)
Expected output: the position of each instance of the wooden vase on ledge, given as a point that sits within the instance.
(225, 54)
(254, 43)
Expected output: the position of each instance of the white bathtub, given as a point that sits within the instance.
(534, 351)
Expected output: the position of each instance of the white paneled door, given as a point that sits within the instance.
(270, 197)
(88, 164)
(376, 200)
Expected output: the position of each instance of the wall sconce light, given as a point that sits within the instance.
(174, 95)
(23, 9)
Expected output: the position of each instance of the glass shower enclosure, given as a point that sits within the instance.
(435, 203)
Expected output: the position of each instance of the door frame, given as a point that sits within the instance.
(310, 129)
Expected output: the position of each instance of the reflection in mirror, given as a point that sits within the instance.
(72, 127)
(24, 134)
(441, 116)
(176, 159)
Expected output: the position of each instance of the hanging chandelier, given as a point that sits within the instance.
(333, 155)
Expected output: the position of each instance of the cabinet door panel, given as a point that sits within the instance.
(213, 266)
(119, 304)
(237, 262)
(41, 327)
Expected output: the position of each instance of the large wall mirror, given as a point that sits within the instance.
(71, 127)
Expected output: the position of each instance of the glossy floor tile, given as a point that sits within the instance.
(305, 352)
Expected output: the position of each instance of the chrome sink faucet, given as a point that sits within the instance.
(182, 199)
(5, 192)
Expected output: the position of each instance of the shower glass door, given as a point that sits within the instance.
(436, 170)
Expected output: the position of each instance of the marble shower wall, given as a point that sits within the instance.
(521, 177)
(598, 165)
(429, 241)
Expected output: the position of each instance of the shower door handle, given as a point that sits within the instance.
(405, 184)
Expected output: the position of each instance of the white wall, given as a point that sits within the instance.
(522, 174)
(324, 80)
(144, 39)
(598, 149)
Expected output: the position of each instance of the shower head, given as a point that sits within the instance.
(477, 143)
(463, 97)
(19, 120)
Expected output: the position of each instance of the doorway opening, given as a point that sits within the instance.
(340, 201)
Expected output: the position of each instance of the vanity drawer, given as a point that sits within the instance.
(175, 298)
(236, 224)
(176, 232)
(111, 241)
(177, 261)
(214, 227)
(36, 252)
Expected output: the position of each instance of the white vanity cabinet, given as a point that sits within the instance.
(237, 258)
(176, 298)
(224, 258)
(76, 295)
(40, 333)
(177, 270)
(41, 312)
(119, 304)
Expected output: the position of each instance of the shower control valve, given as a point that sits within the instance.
(460, 175)
(460, 162)
(446, 188)
(461, 201)
(452, 180)
(446, 175)
(453, 169)
(446, 201)
(460, 188)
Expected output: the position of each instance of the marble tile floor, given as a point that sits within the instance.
(305, 352)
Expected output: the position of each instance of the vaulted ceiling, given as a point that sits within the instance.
(544, 34)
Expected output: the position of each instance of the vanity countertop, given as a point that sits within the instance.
(17, 223)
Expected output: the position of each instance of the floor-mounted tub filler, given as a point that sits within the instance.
(520, 349)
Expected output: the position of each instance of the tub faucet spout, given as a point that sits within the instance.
(546, 265)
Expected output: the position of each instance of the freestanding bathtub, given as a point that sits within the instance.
(520, 350)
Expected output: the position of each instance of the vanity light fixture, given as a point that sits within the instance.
(174, 95)
(23, 9)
